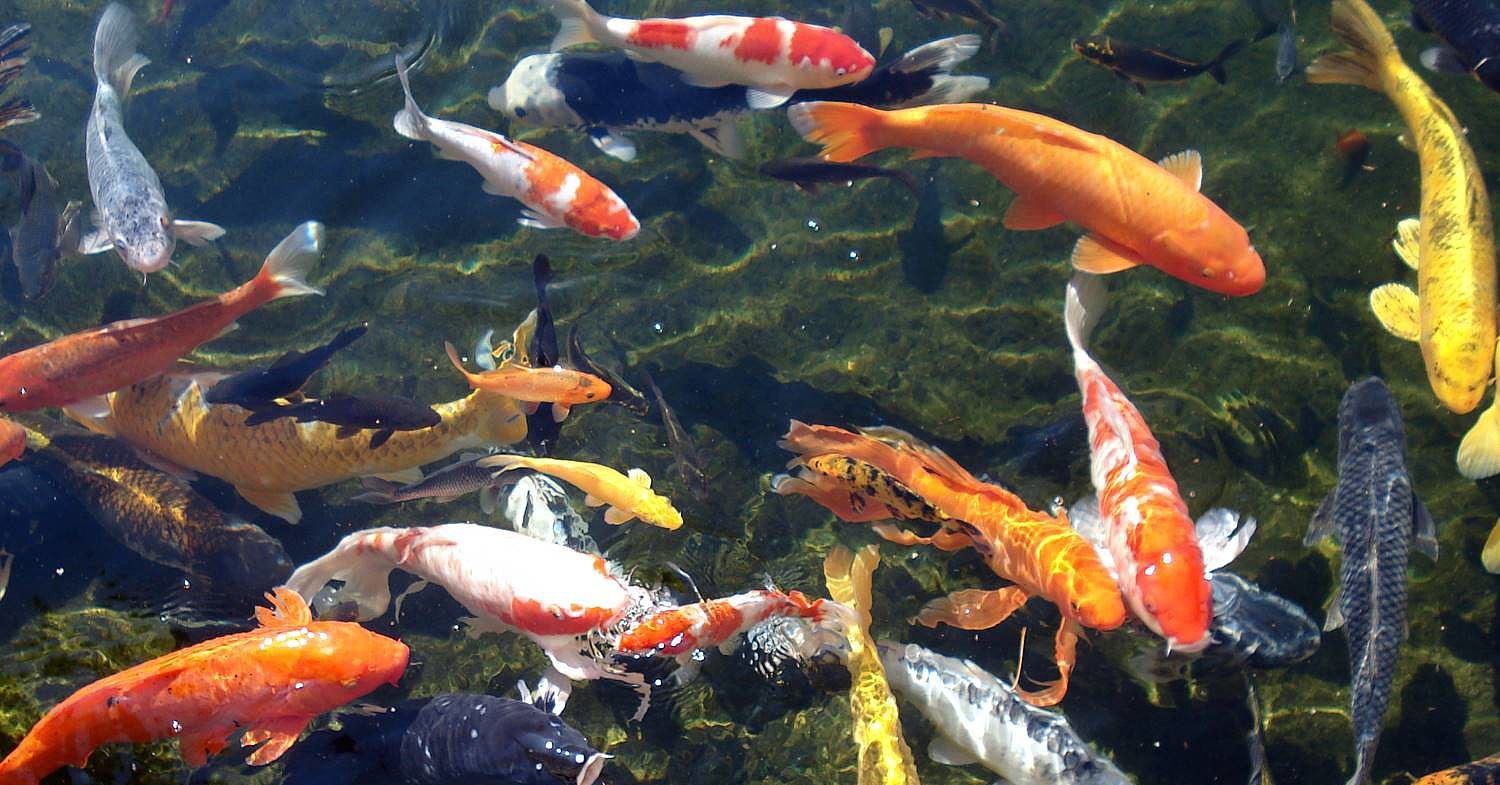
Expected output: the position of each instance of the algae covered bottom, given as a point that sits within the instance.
(752, 303)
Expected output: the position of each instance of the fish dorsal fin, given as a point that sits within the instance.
(639, 477)
(1092, 256)
(1408, 243)
(1186, 166)
(288, 609)
(1397, 309)
(1025, 214)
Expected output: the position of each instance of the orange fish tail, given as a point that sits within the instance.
(846, 131)
(457, 363)
(285, 270)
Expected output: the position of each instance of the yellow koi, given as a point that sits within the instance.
(1452, 247)
(884, 757)
(167, 417)
(629, 496)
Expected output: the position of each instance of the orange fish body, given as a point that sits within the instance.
(272, 680)
(93, 362)
(562, 387)
(680, 630)
(167, 417)
(1137, 212)
(12, 441)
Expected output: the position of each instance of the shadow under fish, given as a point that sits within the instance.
(354, 414)
(48, 230)
(925, 248)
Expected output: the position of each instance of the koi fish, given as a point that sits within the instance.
(1452, 312)
(772, 56)
(272, 680)
(702, 625)
(1136, 212)
(980, 719)
(559, 386)
(74, 367)
(132, 215)
(155, 514)
(1470, 30)
(14, 41)
(609, 96)
(883, 757)
(855, 491)
(12, 441)
(1042, 555)
(688, 462)
(353, 414)
(510, 582)
(167, 417)
(628, 496)
(442, 486)
(1139, 518)
(1481, 772)
(288, 374)
(1139, 64)
(48, 229)
(556, 193)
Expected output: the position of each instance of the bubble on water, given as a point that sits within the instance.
(812, 224)
(657, 327)
(853, 254)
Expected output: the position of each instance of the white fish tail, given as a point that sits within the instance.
(363, 561)
(1085, 301)
(577, 23)
(292, 259)
(410, 122)
(115, 59)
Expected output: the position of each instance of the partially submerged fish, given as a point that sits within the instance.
(263, 686)
(1376, 517)
(625, 496)
(75, 367)
(970, 10)
(155, 514)
(981, 720)
(1140, 64)
(773, 57)
(451, 739)
(352, 414)
(132, 215)
(1137, 212)
(167, 417)
(688, 463)
(538, 507)
(48, 230)
(556, 193)
(808, 173)
(883, 757)
(510, 582)
(288, 374)
(1452, 247)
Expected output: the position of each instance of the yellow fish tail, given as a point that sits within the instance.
(849, 576)
(1370, 45)
(1479, 452)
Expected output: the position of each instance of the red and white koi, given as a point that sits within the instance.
(512, 583)
(773, 57)
(701, 625)
(1144, 533)
(557, 194)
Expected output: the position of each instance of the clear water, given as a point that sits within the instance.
(753, 303)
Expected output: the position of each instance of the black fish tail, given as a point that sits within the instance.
(380, 438)
(345, 338)
(1216, 66)
(16, 112)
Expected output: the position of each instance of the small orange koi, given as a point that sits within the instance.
(559, 386)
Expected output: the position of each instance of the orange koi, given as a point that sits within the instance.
(680, 630)
(12, 441)
(628, 496)
(559, 386)
(1137, 212)
(1139, 518)
(272, 680)
(1041, 554)
(94, 362)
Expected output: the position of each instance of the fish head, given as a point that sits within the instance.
(836, 58)
(145, 240)
(1216, 255)
(249, 559)
(563, 752)
(1096, 605)
(1096, 48)
(342, 660)
(532, 95)
(1172, 595)
(1369, 405)
(591, 388)
(658, 511)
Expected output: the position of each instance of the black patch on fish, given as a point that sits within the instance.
(1471, 28)
(289, 373)
(353, 414)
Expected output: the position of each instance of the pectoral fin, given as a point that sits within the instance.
(1426, 530)
(95, 240)
(281, 504)
(1026, 214)
(1321, 525)
(1092, 256)
(1396, 307)
(197, 233)
(768, 96)
(1186, 166)
(593, 501)
(614, 516)
(1408, 242)
(949, 754)
(1335, 618)
(274, 737)
(197, 745)
(613, 143)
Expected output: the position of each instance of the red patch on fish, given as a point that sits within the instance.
(540, 618)
(661, 35)
(761, 42)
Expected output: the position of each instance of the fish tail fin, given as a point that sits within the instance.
(1216, 68)
(1479, 452)
(577, 21)
(363, 561)
(1370, 46)
(848, 576)
(1364, 757)
(1085, 301)
(410, 122)
(454, 358)
(17, 111)
(846, 131)
(115, 59)
(288, 264)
